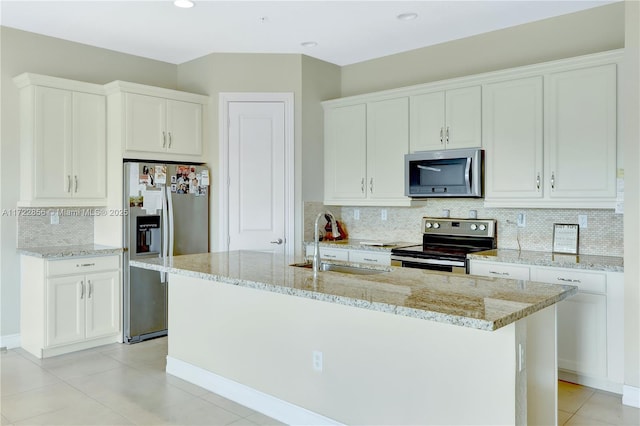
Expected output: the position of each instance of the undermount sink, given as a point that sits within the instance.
(345, 269)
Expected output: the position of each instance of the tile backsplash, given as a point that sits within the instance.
(602, 236)
(75, 227)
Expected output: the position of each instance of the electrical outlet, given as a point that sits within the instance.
(521, 357)
(522, 220)
(383, 214)
(55, 218)
(582, 221)
(317, 360)
(356, 214)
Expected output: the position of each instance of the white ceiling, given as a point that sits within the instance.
(346, 31)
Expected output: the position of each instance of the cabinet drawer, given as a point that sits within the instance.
(365, 256)
(585, 281)
(82, 265)
(501, 270)
(334, 254)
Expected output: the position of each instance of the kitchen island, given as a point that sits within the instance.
(404, 346)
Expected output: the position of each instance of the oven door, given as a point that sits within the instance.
(458, 266)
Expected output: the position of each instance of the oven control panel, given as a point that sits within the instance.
(459, 227)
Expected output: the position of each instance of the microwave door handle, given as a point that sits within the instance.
(467, 173)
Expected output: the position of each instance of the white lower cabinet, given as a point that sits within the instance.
(590, 323)
(69, 304)
(350, 255)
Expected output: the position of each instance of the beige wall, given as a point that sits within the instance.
(27, 52)
(590, 31)
(631, 141)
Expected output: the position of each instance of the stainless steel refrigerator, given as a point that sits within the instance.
(168, 215)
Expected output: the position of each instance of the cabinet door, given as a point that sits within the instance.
(89, 146)
(427, 122)
(499, 270)
(65, 310)
(387, 144)
(145, 123)
(582, 133)
(52, 143)
(512, 138)
(345, 153)
(103, 304)
(184, 127)
(463, 127)
(582, 334)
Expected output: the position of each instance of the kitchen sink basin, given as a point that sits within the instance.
(345, 269)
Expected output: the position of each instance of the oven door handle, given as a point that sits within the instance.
(429, 261)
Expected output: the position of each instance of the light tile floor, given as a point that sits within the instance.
(126, 385)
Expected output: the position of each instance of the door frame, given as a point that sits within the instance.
(289, 161)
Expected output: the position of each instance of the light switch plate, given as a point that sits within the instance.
(582, 221)
(55, 218)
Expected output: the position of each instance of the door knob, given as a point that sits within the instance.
(278, 241)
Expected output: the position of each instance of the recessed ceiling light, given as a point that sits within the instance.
(407, 16)
(308, 44)
(185, 4)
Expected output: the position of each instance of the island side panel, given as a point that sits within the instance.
(378, 368)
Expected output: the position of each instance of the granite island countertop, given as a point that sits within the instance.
(464, 300)
(54, 252)
(541, 258)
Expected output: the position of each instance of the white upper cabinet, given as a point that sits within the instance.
(446, 119)
(513, 138)
(365, 144)
(155, 123)
(62, 142)
(550, 139)
(581, 133)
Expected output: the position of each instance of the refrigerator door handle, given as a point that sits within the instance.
(165, 236)
(171, 228)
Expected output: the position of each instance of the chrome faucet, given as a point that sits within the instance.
(316, 238)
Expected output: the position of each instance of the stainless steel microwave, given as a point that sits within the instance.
(447, 173)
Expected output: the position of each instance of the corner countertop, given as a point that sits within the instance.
(55, 252)
(541, 258)
(364, 244)
(464, 300)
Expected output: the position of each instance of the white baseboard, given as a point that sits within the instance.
(266, 404)
(631, 396)
(10, 341)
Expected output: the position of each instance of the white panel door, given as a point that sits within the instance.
(387, 144)
(257, 176)
(184, 127)
(513, 138)
(582, 133)
(65, 310)
(145, 123)
(53, 143)
(89, 146)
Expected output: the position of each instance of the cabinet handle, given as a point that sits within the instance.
(82, 290)
(538, 182)
(164, 140)
(447, 135)
(362, 185)
(370, 260)
(90, 289)
(82, 265)
(330, 255)
(75, 183)
(441, 135)
(506, 274)
(68, 183)
(169, 139)
(553, 180)
(568, 280)
(371, 185)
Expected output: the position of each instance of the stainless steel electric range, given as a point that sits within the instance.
(446, 243)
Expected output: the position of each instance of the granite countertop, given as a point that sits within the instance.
(363, 244)
(464, 300)
(540, 258)
(54, 252)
